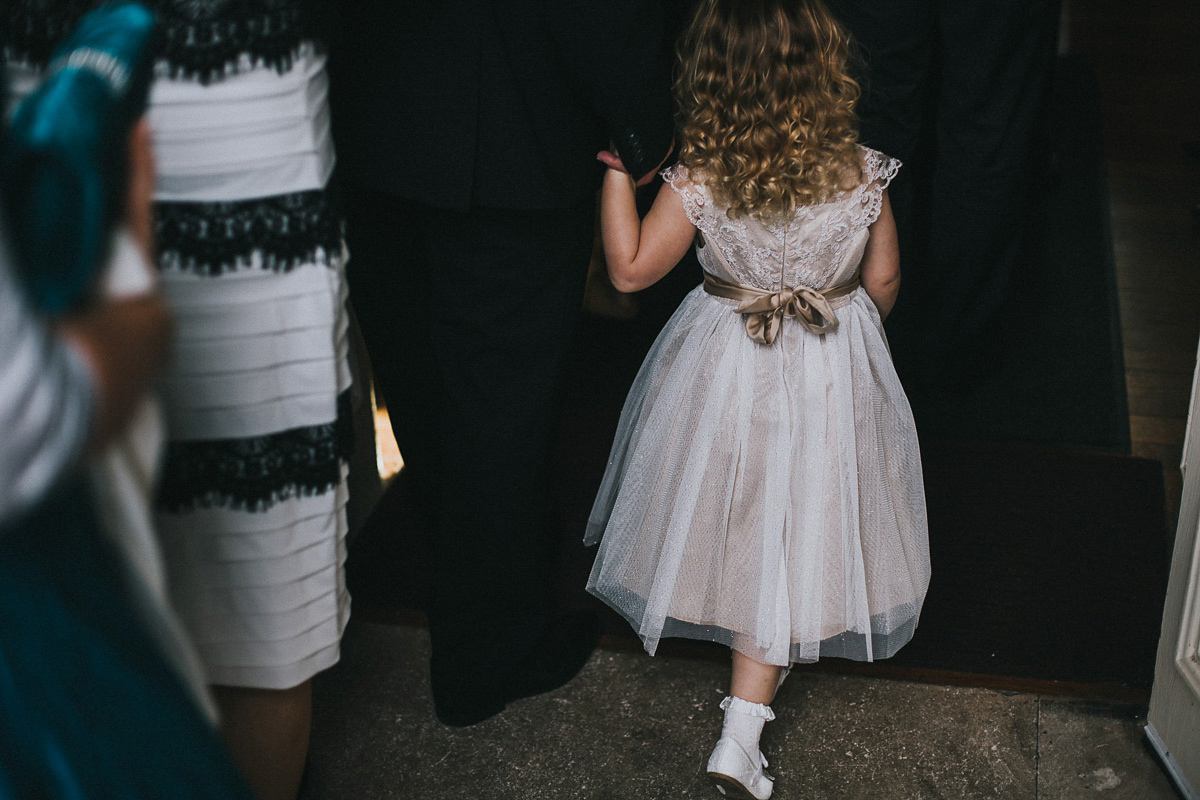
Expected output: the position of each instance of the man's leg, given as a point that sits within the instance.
(488, 299)
(391, 299)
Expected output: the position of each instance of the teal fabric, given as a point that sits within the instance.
(89, 708)
(66, 157)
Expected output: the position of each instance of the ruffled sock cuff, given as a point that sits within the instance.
(741, 706)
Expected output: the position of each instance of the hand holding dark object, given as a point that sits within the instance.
(611, 159)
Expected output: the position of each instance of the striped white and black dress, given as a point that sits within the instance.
(252, 502)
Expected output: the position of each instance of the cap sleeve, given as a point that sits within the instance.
(878, 171)
(696, 203)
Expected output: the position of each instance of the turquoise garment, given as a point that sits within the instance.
(89, 708)
(66, 157)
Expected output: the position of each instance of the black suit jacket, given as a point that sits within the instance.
(497, 103)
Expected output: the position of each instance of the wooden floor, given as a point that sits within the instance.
(1149, 74)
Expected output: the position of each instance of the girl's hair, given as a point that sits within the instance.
(766, 105)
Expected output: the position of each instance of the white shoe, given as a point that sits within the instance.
(738, 774)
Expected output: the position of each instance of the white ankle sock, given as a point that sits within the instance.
(744, 722)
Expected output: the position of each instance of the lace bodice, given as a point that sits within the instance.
(820, 246)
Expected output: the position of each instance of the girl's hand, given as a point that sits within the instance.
(611, 159)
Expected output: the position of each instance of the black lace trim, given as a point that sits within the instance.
(214, 238)
(253, 474)
(207, 39)
(202, 40)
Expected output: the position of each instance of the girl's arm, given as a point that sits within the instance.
(880, 273)
(639, 252)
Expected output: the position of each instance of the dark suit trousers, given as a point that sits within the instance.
(955, 89)
(466, 317)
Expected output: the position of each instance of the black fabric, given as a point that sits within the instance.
(1060, 375)
(467, 132)
(253, 473)
(472, 103)
(955, 89)
(31, 29)
(284, 231)
(467, 317)
(198, 39)
(208, 39)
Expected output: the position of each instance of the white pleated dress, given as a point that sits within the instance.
(768, 497)
(252, 505)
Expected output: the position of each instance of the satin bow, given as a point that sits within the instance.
(764, 311)
(764, 315)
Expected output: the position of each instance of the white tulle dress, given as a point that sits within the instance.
(768, 497)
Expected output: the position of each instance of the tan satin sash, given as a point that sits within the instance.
(765, 310)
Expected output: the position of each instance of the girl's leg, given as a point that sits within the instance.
(267, 732)
(753, 681)
(736, 763)
(748, 707)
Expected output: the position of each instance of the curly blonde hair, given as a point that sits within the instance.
(765, 103)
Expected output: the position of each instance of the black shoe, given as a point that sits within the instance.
(560, 653)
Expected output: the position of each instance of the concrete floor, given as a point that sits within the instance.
(631, 726)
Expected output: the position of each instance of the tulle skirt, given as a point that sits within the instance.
(768, 497)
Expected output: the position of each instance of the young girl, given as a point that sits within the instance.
(764, 489)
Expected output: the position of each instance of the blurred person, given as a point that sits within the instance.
(251, 510)
(90, 704)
